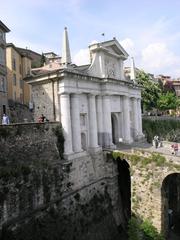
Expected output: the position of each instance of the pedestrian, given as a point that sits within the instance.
(170, 219)
(175, 148)
(41, 118)
(156, 141)
(5, 119)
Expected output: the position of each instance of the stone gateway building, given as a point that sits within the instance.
(96, 104)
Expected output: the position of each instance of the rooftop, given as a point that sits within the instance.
(4, 27)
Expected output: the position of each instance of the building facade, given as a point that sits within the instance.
(18, 67)
(3, 71)
(96, 105)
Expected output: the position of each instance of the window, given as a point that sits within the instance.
(14, 64)
(28, 71)
(21, 83)
(15, 96)
(20, 69)
(4, 108)
(2, 35)
(21, 97)
(14, 79)
(2, 56)
(3, 84)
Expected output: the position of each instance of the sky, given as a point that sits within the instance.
(147, 29)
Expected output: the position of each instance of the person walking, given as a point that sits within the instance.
(175, 149)
(156, 141)
(5, 119)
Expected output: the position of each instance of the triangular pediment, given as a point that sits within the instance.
(115, 48)
(107, 59)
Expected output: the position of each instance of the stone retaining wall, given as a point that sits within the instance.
(45, 197)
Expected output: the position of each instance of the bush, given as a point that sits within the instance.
(138, 230)
(166, 129)
(149, 231)
(134, 229)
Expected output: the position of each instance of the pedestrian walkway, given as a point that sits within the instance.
(165, 149)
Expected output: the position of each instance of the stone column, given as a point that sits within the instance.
(135, 117)
(93, 140)
(107, 136)
(99, 119)
(126, 120)
(66, 122)
(75, 120)
(139, 117)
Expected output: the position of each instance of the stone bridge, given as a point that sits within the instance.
(155, 184)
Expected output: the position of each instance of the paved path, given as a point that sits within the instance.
(165, 149)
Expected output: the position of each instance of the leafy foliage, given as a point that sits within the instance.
(168, 101)
(150, 91)
(134, 229)
(43, 60)
(138, 230)
(156, 95)
(166, 129)
(149, 231)
(142, 161)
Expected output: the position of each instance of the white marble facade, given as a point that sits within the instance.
(96, 105)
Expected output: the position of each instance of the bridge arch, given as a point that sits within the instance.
(124, 183)
(170, 204)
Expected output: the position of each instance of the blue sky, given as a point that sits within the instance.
(147, 29)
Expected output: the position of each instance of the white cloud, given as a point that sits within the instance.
(82, 57)
(128, 45)
(157, 58)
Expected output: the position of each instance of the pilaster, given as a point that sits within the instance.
(66, 122)
(139, 117)
(93, 140)
(99, 119)
(75, 120)
(107, 135)
(126, 120)
(135, 118)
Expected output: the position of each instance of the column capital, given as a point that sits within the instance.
(75, 95)
(91, 94)
(64, 93)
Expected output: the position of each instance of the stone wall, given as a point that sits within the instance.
(19, 113)
(45, 197)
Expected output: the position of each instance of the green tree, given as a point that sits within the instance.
(168, 101)
(150, 91)
(43, 60)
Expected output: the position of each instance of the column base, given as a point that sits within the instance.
(94, 149)
(112, 146)
(128, 141)
(75, 155)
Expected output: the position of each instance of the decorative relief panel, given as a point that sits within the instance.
(111, 67)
